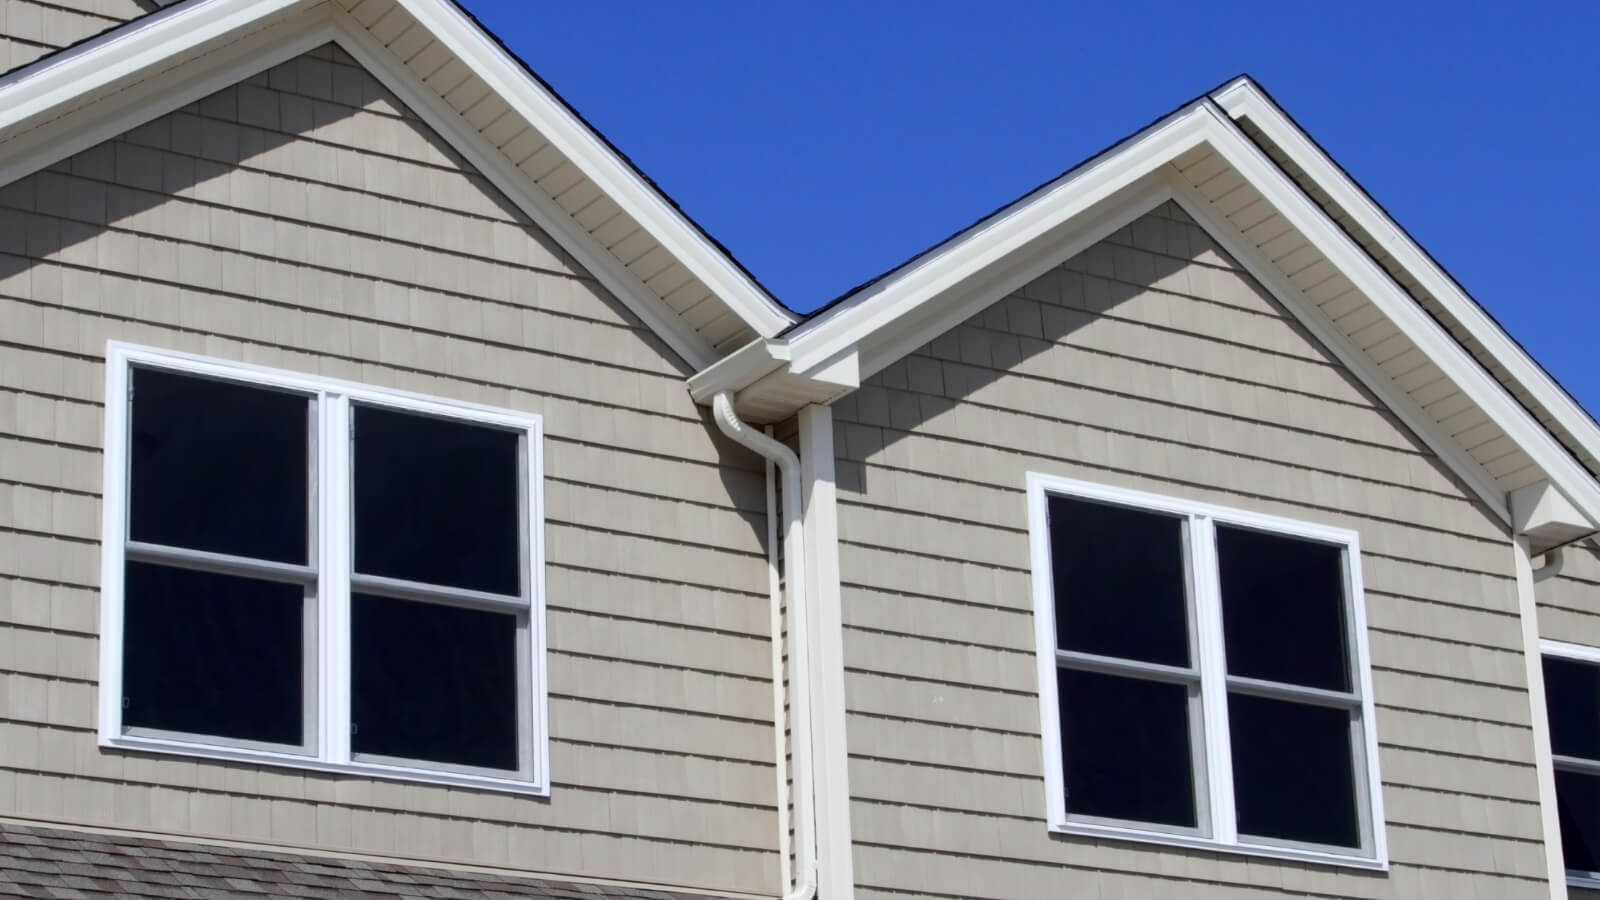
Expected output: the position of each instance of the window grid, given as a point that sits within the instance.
(1214, 779)
(327, 577)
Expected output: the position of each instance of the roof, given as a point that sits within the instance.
(464, 84)
(51, 862)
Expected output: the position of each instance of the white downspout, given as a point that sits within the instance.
(805, 801)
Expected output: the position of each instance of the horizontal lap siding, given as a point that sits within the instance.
(304, 220)
(1569, 604)
(31, 28)
(1150, 362)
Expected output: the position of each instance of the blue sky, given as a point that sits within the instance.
(827, 141)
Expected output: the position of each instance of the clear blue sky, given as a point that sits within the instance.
(827, 141)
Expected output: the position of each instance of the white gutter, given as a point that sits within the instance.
(805, 801)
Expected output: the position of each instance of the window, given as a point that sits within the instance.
(1203, 676)
(1572, 700)
(311, 573)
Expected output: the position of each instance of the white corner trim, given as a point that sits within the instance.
(835, 872)
(511, 181)
(506, 77)
(1314, 320)
(1544, 761)
(1215, 791)
(1242, 99)
(1407, 315)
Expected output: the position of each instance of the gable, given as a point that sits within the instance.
(306, 220)
(1151, 361)
(1200, 158)
(1153, 357)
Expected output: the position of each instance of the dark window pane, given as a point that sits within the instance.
(1125, 747)
(1572, 695)
(219, 466)
(1293, 771)
(436, 501)
(434, 683)
(213, 655)
(1283, 608)
(1120, 583)
(1578, 807)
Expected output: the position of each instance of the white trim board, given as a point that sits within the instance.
(1242, 99)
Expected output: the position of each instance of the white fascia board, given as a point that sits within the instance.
(882, 306)
(1402, 309)
(151, 42)
(620, 182)
(1242, 99)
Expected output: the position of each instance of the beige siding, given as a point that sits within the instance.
(1151, 362)
(305, 220)
(1569, 604)
(31, 28)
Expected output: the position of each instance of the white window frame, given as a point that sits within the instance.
(1578, 653)
(1217, 828)
(328, 576)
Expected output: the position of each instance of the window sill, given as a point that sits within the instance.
(1189, 842)
(307, 763)
(1586, 880)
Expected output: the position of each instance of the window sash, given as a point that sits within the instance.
(328, 578)
(1214, 781)
(1586, 655)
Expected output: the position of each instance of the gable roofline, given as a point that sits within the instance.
(91, 91)
(1200, 157)
(1245, 100)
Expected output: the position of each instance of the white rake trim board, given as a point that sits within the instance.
(1408, 316)
(1243, 100)
(880, 307)
(601, 165)
(229, 64)
(511, 181)
(1314, 320)
(145, 43)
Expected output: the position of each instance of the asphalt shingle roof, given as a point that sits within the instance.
(84, 865)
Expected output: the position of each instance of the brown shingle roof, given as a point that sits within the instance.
(84, 865)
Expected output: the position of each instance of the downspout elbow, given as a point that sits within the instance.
(1554, 560)
(788, 463)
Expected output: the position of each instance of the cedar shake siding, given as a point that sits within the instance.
(1569, 603)
(304, 220)
(1152, 362)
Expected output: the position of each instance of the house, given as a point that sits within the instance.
(400, 496)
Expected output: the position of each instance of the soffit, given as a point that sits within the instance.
(553, 164)
(1409, 282)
